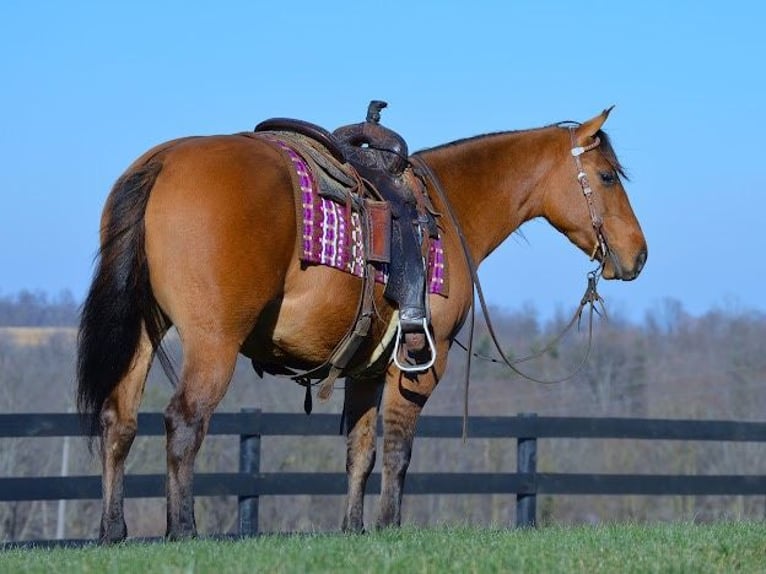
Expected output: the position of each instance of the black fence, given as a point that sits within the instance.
(526, 483)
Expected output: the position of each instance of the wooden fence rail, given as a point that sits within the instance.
(526, 483)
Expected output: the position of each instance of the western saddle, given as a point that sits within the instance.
(379, 156)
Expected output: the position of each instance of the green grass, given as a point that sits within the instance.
(728, 547)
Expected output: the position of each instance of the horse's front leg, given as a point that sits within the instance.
(403, 399)
(361, 411)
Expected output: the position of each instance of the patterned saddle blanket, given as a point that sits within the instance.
(332, 233)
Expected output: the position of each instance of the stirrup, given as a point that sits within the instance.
(431, 349)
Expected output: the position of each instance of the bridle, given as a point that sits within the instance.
(602, 245)
(582, 177)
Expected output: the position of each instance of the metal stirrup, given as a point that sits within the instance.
(431, 349)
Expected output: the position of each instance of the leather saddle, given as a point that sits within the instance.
(379, 156)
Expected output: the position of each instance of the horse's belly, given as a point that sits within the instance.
(307, 324)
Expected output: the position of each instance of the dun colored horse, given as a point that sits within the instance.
(203, 233)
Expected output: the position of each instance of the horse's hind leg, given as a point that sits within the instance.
(118, 429)
(208, 366)
(361, 409)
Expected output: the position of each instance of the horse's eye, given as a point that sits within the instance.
(608, 177)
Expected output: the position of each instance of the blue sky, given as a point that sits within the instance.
(88, 86)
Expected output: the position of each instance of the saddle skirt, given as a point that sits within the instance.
(332, 233)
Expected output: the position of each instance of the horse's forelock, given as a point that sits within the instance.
(606, 149)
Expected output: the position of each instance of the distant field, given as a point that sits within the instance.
(726, 547)
(33, 336)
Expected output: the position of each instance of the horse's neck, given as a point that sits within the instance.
(494, 183)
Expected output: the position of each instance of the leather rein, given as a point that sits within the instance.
(590, 298)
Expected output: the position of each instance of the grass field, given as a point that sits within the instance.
(729, 547)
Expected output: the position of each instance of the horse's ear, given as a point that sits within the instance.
(587, 131)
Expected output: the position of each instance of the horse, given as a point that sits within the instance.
(202, 233)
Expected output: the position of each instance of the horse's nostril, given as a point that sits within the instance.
(641, 260)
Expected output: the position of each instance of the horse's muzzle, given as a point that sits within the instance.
(613, 269)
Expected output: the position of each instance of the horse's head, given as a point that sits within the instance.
(585, 200)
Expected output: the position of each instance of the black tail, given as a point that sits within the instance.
(120, 298)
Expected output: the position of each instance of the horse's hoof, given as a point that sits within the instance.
(108, 540)
(181, 535)
(113, 534)
(352, 527)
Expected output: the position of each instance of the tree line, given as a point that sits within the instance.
(38, 309)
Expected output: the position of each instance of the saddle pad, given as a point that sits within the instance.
(330, 239)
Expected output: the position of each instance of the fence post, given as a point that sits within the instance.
(526, 463)
(249, 463)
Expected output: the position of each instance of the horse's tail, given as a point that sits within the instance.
(120, 299)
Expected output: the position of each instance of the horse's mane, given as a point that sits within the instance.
(605, 147)
(475, 138)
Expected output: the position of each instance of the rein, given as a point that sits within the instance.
(591, 298)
